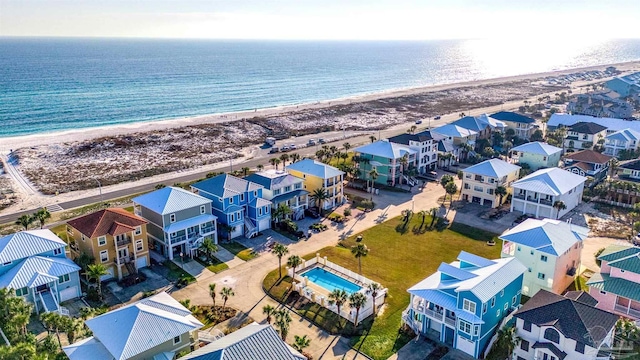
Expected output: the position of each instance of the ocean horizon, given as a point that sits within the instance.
(57, 84)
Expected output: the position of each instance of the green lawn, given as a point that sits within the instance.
(240, 250)
(398, 258)
(176, 272)
(216, 265)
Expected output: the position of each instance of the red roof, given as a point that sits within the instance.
(589, 156)
(112, 221)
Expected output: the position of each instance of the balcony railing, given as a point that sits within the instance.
(124, 260)
(123, 241)
(450, 321)
(624, 310)
(208, 229)
(546, 202)
(519, 196)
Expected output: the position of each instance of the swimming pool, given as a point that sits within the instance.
(330, 281)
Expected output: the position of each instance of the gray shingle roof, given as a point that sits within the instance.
(512, 117)
(169, 200)
(587, 128)
(405, 138)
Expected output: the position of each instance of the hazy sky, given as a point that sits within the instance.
(535, 21)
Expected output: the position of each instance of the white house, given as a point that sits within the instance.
(425, 146)
(584, 135)
(569, 327)
(456, 134)
(623, 140)
(550, 249)
(535, 194)
(537, 155)
(480, 181)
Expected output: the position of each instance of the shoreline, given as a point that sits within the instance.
(83, 134)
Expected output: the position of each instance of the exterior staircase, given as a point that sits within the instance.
(131, 268)
(48, 301)
(250, 230)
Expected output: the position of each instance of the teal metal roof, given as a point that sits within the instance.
(618, 286)
(616, 252)
(385, 149)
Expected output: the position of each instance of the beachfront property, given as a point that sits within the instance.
(391, 161)
(480, 181)
(463, 302)
(584, 135)
(588, 163)
(600, 105)
(536, 154)
(426, 148)
(35, 266)
(237, 203)
(154, 328)
(178, 221)
(523, 126)
(617, 285)
(554, 327)
(623, 141)
(629, 170)
(612, 124)
(316, 278)
(282, 188)
(628, 85)
(317, 175)
(114, 237)
(537, 193)
(252, 342)
(549, 249)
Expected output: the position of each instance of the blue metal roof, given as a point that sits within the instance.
(549, 236)
(512, 117)
(23, 244)
(537, 148)
(385, 149)
(225, 185)
(37, 270)
(474, 259)
(170, 200)
(259, 202)
(272, 179)
(315, 168)
(289, 195)
(493, 168)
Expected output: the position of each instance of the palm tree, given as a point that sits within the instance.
(293, 262)
(280, 250)
(260, 167)
(507, 339)
(95, 272)
(359, 251)
(613, 167)
(208, 247)
(559, 206)
(301, 342)
(24, 221)
(424, 217)
(373, 289)
(451, 188)
(71, 327)
(434, 215)
(344, 156)
(225, 294)
(356, 301)
(295, 157)
(373, 174)
(501, 191)
(269, 311)
(346, 146)
(404, 162)
(283, 319)
(372, 138)
(334, 150)
(53, 322)
(338, 297)
(320, 154)
(41, 215)
(212, 293)
(272, 161)
(227, 229)
(277, 162)
(320, 195)
(281, 212)
(245, 170)
(284, 157)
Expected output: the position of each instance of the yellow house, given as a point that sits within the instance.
(114, 237)
(318, 175)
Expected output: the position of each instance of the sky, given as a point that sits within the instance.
(530, 20)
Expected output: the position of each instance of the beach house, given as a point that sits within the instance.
(237, 203)
(456, 134)
(600, 105)
(463, 302)
(550, 249)
(588, 163)
(154, 328)
(114, 237)
(252, 342)
(178, 221)
(536, 155)
(554, 327)
(317, 175)
(617, 285)
(425, 146)
(523, 126)
(625, 85)
(541, 193)
(480, 181)
(35, 266)
(482, 125)
(630, 170)
(282, 188)
(391, 162)
(622, 142)
(584, 135)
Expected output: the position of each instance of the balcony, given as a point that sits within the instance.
(518, 196)
(546, 202)
(622, 309)
(208, 229)
(450, 321)
(123, 241)
(124, 260)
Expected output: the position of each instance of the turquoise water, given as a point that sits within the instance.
(330, 281)
(53, 84)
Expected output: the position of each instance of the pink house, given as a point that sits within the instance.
(617, 286)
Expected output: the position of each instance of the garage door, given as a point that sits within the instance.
(69, 293)
(465, 345)
(518, 206)
(488, 203)
(141, 262)
(108, 276)
(264, 224)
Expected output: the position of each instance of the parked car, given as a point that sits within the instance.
(321, 141)
(312, 213)
(311, 142)
(431, 175)
(274, 150)
(292, 146)
(418, 122)
(437, 117)
(285, 148)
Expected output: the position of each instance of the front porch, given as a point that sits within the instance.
(186, 236)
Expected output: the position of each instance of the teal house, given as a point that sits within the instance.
(537, 155)
(391, 162)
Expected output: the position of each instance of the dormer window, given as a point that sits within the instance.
(172, 218)
(202, 209)
(57, 251)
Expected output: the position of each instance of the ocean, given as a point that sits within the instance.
(53, 84)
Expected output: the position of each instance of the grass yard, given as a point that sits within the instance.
(240, 250)
(214, 265)
(397, 259)
(176, 272)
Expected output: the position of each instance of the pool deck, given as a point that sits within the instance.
(335, 272)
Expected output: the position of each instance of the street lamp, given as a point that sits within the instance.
(100, 189)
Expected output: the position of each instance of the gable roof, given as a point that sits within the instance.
(617, 252)
(512, 117)
(551, 181)
(136, 328)
(549, 236)
(581, 296)
(575, 320)
(23, 244)
(111, 221)
(619, 286)
(624, 135)
(385, 149)
(589, 156)
(272, 179)
(493, 168)
(452, 130)
(484, 280)
(587, 128)
(225, 185)
(315, 168)
(37, 270)
(405, 138)
(252, 342)
(631, 165)
(612, 124)
(538, 148)
(89, 348)
(169, 200)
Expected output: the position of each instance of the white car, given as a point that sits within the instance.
(285, 148)
(292, 146)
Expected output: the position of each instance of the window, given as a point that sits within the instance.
(484, 308)
(580, 347)
(544, 158)
(202, 209)
(493, 301)
(63, 279)
(524, 345)
(276, 192)
(172, 218)
(468, 176)
(57, 251)
(102, 241)
(259, 211)
(527, 326)
(176, 339)
(83, 238)
(478, 188)
(541, 276)
(465, 327)
(476, 330)
(104, 256)
(466, 186)
(22, 292)
(492, 180)
(232, 217)
(531, 252)
(502, 293)
(138, 230)
(231, 200)
(543, 258)
(255, 193)
(498, 313)
(506, 306)
(552, 335)
(514, 299)
(519, 248)
(490, 191)
(603, 292)
(297, 186)
(548, 357)
(139, 245)
(469, 306)
(287, 188)
(241, 197)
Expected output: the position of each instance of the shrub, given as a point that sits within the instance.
(347, 212)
